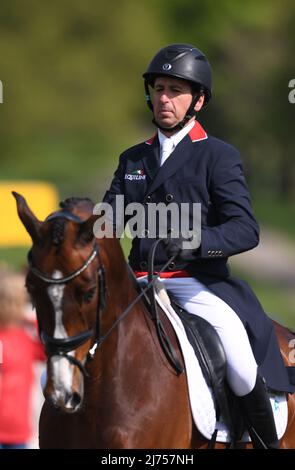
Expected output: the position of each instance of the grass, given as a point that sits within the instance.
(275, 213)
(277, 300)
(15, 257)
(278, 303)
(126, 245)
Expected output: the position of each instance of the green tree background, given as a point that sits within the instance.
(73, 93)
(74, 98)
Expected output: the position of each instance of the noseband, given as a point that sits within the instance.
(62, 346)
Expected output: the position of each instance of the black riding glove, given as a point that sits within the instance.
(177, 247)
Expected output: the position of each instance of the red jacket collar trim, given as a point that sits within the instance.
(151, 140)
(197, 133)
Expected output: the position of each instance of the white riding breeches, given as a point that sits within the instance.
(199, 300)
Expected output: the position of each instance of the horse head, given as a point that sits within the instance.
(65, 281)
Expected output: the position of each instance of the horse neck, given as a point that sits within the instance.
(121, 293)
(120, 285)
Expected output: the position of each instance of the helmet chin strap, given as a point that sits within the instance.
(180, 125)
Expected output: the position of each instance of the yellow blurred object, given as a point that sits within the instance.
(41, 197)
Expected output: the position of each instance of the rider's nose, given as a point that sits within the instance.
(164, 98)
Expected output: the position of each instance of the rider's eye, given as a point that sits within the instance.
(87, 296)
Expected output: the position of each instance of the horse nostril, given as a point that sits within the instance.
(73, 401)
(76, 400)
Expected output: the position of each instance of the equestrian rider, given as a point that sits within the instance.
(183, 164)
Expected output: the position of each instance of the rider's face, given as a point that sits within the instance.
(171, 100)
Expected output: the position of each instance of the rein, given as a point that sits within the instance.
(162, 335)
(130, 306)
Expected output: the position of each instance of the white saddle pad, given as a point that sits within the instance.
(201, 396)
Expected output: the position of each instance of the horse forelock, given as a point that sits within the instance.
(57, 231)
(81, 206)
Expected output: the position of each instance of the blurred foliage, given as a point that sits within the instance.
(73, 93)
(71, 88)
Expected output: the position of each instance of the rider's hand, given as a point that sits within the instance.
(177, 247)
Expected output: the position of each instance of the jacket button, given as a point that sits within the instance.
(171, 266)
(169, 197)
(148, 198)
(143, 264)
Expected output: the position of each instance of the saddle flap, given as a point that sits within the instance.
(206, 344)
(212, 359)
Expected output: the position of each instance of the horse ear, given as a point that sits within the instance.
(29, 220)
(86, 233)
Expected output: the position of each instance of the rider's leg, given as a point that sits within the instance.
(242, 368)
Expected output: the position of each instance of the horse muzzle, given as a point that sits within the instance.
(64, 387)
(66, 402)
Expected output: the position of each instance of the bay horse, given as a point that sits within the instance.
(124, 394)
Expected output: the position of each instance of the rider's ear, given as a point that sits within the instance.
(200, 103)
(86, 234)
(29, 220)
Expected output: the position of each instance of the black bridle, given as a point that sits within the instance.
(62, 346)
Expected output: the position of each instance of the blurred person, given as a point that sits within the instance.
(181, 163)
(21, 348)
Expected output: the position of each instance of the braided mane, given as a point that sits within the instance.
(76, 205)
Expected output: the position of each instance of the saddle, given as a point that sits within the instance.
(211, 356)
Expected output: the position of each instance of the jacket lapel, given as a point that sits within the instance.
(151, 157)
(179, 156)
(176, 160)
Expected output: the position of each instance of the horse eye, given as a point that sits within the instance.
(30, 288)
(31, 291)
(87, 296)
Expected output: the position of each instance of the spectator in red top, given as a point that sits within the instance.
(20, 348)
